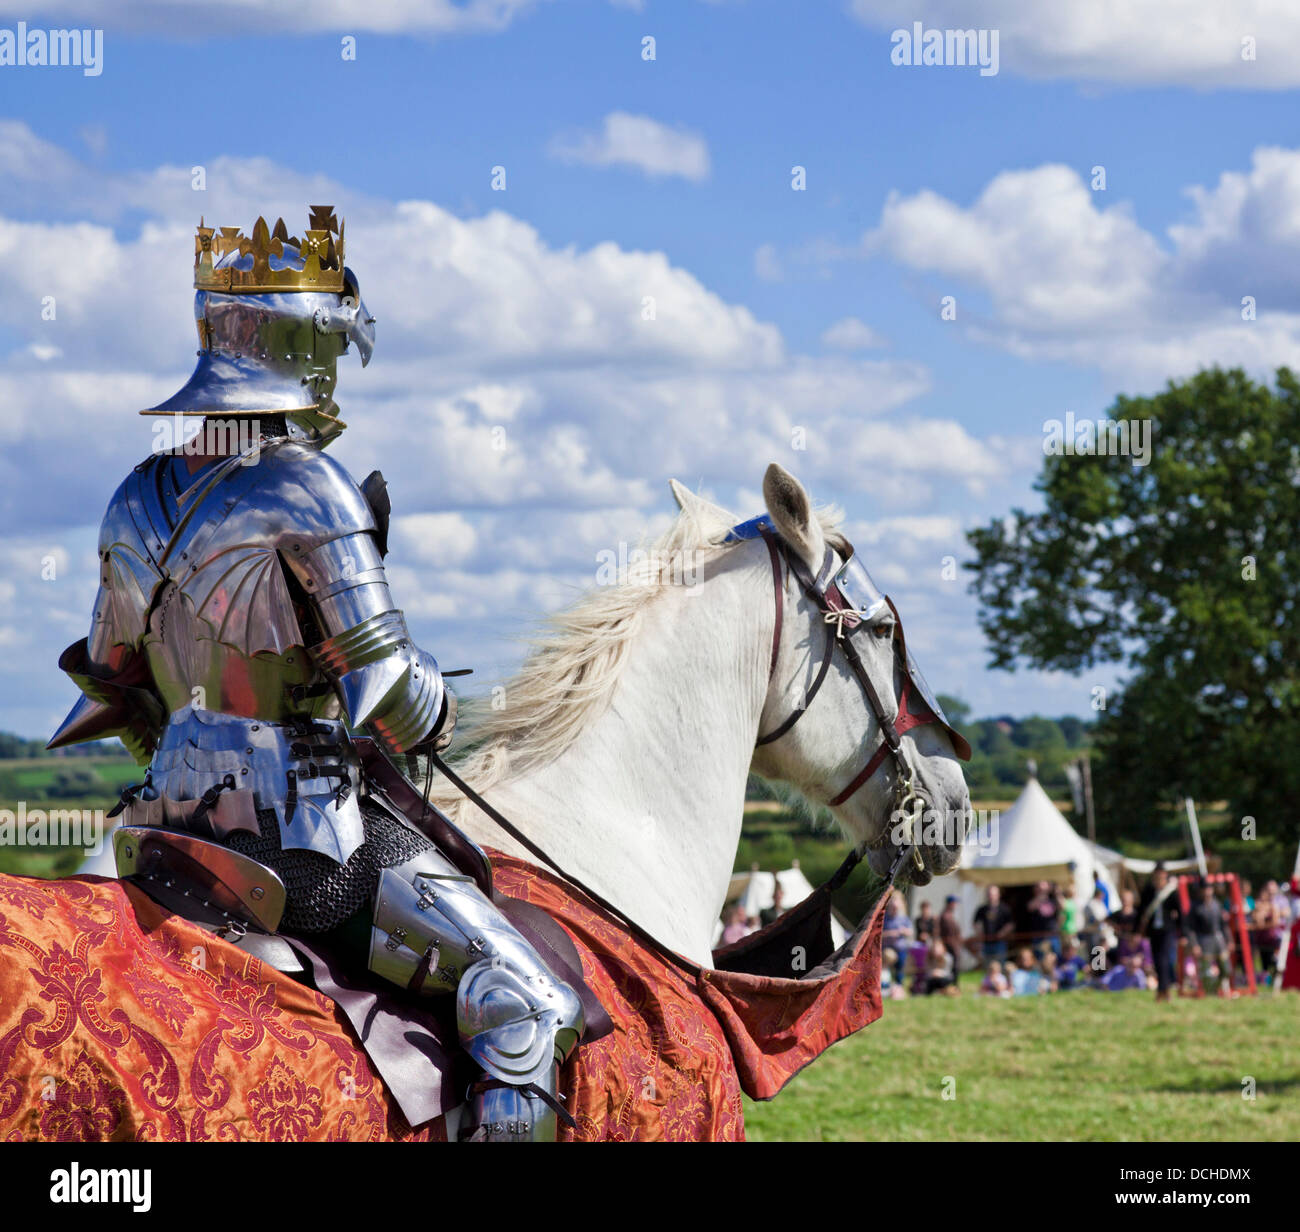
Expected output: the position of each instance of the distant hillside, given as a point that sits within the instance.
(1001, 749)
(13, 747)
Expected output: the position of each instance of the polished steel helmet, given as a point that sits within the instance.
(274, 313)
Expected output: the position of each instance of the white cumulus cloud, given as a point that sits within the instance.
(851, 334)
(1046, 269)
(626, 140)
(1197, 43)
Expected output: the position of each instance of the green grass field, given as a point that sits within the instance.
(48, 783)
(1080, 1065)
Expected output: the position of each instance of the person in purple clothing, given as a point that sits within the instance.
(1045, 913)
(1126, 975)
(1071, 967)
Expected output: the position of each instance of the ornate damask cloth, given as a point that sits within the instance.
(685, 1045)
(121, 1021)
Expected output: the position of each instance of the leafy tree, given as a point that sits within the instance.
(990, 738)
(1072, 728)
(1038, 733)
(1185, 571)
(958, 711)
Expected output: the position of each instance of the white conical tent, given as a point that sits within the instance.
(755, 892)
(1031, 842)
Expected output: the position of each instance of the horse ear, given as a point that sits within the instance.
(708, 516)
(792, 515)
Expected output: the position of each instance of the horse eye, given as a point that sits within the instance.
(884, 628)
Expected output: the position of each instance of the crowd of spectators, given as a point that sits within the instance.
(1055, 944)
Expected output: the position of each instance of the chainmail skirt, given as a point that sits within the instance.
(321, 894)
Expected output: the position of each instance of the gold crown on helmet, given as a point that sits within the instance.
(321, 250)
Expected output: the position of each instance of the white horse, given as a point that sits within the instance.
(624, 745)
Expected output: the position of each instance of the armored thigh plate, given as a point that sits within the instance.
(215, 876)
(435, 931)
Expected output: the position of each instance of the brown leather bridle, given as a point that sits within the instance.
(839, 615)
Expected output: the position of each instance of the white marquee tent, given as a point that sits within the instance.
(755, 891)
(1116, 863)
(1030, 842)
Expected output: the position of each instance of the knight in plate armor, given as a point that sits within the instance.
(244, 626)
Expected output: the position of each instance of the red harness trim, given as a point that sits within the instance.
(905, 721)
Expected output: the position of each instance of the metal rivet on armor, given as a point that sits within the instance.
(257, 892)
(250, 748)
(126, 851)
(289, 659)
(244, 770)
(255, 726)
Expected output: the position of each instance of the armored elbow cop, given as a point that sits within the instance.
(387, 683)
(113, 703)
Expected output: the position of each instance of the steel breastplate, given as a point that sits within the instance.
(200, 587)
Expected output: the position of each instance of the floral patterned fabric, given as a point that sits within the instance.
(685, 1045)
(121, 1021)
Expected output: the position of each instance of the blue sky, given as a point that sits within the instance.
(519, 306)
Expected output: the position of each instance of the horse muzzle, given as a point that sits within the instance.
(922, 840)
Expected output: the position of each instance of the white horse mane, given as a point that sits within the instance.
(569, 676)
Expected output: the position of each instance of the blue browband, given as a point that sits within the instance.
(751, 529)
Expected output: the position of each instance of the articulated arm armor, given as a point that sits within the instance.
(118, 693)
(386, 682)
